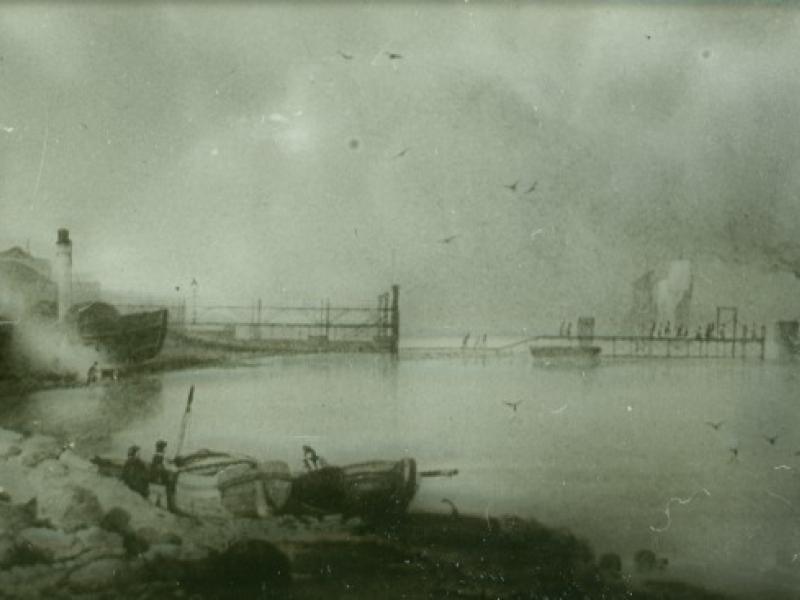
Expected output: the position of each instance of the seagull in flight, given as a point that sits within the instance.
(453, 509)
(344, 55)
(447, 240)
(716, 425)
(394, 55)
(513, 405)
(402, 152)
(513, 186)
(532, 188)
(771, 439)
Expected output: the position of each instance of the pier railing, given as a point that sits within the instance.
(256, 323)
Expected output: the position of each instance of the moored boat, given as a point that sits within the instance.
(566, 356)
(564, 351)
(123, 337)
(371, 489)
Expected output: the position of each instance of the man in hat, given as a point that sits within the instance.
(158, 470)
(160, 475)
(134, 473)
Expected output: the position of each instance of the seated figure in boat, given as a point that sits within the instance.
(312, 460)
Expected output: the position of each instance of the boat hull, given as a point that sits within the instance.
(123, 338)
(566, 356)
(375, 489)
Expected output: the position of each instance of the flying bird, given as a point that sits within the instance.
(344, 55)
(735, 452)
(394, 55)
(532, 188)
(447, 240)
(8, 129)
(512, 187)
(513, 405)
(402, 153)
(453, 509)
(771, 439)
(716, 425)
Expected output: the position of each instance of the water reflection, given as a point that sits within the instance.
(87, 416)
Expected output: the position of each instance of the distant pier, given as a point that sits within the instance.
(633, 346)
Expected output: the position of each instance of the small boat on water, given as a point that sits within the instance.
(568, 356)
(565, 351)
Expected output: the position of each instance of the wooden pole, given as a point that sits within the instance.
(184, 422)
(327, 318)
(395, 319)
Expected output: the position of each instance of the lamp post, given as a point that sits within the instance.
(194, 301)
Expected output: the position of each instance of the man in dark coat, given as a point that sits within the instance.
(135, 473)
(160, 475)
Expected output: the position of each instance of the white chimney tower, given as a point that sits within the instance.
(64, 272)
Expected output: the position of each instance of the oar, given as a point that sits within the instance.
(184, 422)
(439, 473)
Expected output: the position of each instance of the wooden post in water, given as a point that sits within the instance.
(257, 331)
(327, 319)
(395, 319)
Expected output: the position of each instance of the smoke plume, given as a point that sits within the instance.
(671, 290)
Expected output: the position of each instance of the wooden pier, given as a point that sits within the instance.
(324, 328)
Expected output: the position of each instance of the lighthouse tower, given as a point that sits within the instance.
(64, 272)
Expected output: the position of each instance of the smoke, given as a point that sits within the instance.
(46, 347)
(671, 290)
(39, 344)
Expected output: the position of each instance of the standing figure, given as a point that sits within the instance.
(160, 475)
(463, 345)
(135, 474)
(569, 329)
(91, 375)
(158, 470)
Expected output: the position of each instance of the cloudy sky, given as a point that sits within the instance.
(296, 153)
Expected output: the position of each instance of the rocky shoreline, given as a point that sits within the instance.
(68, 532)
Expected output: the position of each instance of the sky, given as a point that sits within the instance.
(295, 153)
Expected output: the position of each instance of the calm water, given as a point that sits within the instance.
(601, 450)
